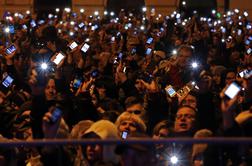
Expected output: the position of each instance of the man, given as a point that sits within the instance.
(178, 70)
(185, 119)
(135, 106)
(184, 126)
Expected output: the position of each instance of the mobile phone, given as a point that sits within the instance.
(56, 114)
(223, 30)
(150, 40)
(183, 91)
(7, 81)
(229, 39)
(133, 51)
(129, 25)
(77, 83)
(124, 69)
(33, 23)
(170, 91)
(120, 56)
(50, 16)
(248, 27)
(81, 25)
(113, 39)
(247, 42)
(124, 135)
(59, 58)
(11, 49)
(40, 22)
(153, 12)
(20, 16)
(232, 90)
(85, 48)
(94, 73)
(239, 31)
(12, 29)
(94, 27)
(148, 51)
(73, 45)
(24, 26)
(245, 73)
(249, 51)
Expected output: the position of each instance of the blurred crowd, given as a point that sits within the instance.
(125, 76)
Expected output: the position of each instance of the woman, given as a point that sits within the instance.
(130, 123)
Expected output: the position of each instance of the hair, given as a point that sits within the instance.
(185, 47)
(132, 100)
(141, 127)
(187, 106)
(50, 33)
(165, 124)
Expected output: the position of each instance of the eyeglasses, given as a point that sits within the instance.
(136, 112)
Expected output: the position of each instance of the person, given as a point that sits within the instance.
(161, 130)
(129, 79)
(185, 120)
(94, 154)
(136, 154)
(135, 106)
(130, 123)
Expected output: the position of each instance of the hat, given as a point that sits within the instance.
(104, 129)
(80, 128)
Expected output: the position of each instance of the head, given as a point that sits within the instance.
(190, 100)
(159, 55)
(50, 90)
(161, 130)
(234, 59)
(137, 154)
(135, 106)
(185, 119)
(102, 129)
(92, 152)
(19, 98)
(130, 122)
(230, 77)
(185, 52)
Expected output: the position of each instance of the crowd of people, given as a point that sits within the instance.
(126, 76)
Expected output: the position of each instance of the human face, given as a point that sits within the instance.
(184, 121)
(230, 77)
(50, 90)
(190, 100)
(183, 57)
(101, 92)
(162, 133)
(127, 125)
(94, 152)
(136, 109)
(217, 79)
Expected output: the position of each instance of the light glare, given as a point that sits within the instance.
(174, 160)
